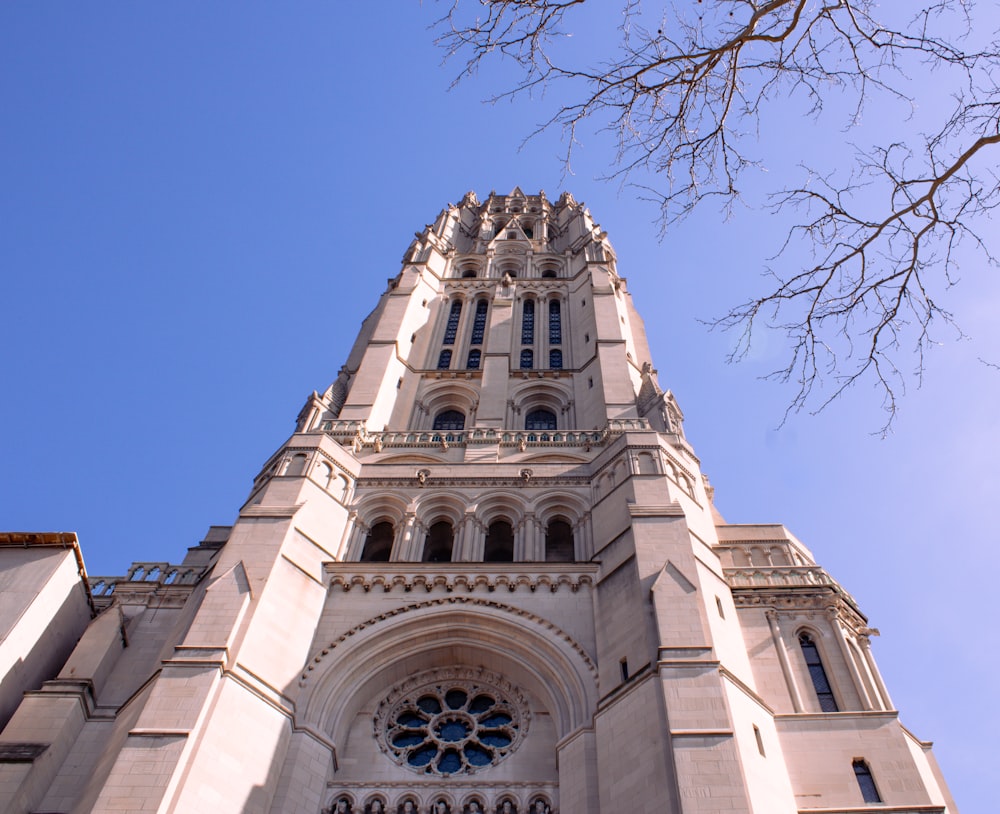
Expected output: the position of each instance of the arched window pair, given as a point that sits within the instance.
(451, 334)
(527, 360)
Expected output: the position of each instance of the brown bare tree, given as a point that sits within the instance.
(684, 97)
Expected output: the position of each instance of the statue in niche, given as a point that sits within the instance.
(407, 807)
(473, 807)
(507, 807)
(342, 806)
(540, 806)
(441, 807)
(375, 807)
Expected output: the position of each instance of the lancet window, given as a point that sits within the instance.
(555, 323)
(444, 360)
(527, 359)
(378, 544)
(824, 692)
(555, 359)
(439, 542)
(528, 323)
(475, 357)
(869, 792)
(479, 323)
(499, 542)
(559, 542)
(451, 328)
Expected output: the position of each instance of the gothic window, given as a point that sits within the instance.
(469, 273)
(555, 323)
(451, 328)
(499, 542)
(540, 420)
(444, 360)
(451, 722)
(439, 542)
(866, 782)
(528, 323)
(449, 420)
(555, 359)
(378, 544)
(824, 692)
(527, 359)
(559, 542)
(479, 322)
(475, 355)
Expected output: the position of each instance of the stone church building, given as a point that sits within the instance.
(483, 576)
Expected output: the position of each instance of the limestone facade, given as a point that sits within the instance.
(483, 575)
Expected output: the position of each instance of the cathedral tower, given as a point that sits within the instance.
(483, 575)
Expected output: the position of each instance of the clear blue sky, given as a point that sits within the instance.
(200, 201)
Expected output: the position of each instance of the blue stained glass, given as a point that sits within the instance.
(422, 756)
(481, 703)
(450, 762)
(479, 323)
(498, 739)
(405, 739)
(528, 323)
(555, 323)
(497, 719)
(555, 359)
(410, 719)
(456, 698)
(453, 731)
(451, 329)
(429, 704)
(476, 755)
(527, 359)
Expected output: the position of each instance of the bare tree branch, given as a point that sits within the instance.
(685, 99)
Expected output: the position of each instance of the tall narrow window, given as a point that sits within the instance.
(449, 420)
(378, 544)
(499, 542)
(475, 355)
(527, 359)
(444, 360)
(555, 359)
(451, 329)
(559, 542)
(528, 323)
(866, 782)
(555, 323)
(479, 322)
(438, 545)
(824, 692)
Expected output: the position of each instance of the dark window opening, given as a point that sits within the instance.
(378, 544)
(548, 274)
(760, 741)
(437, 546)
(479, 323)
(469, 273)
(623, 667)
(449, 420)
(451, 329)
(555, 323)
(869, 793)
(540, 420)
(527, 360)
(824, 692)
(499, 542)
(555, 359)
(559, 542)
(474, 357)
(444, 360)
(528, 323)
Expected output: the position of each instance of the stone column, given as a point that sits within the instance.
(786, 670)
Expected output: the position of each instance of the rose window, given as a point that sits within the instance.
(451, 724)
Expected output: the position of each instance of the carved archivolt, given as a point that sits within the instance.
(549, 627)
